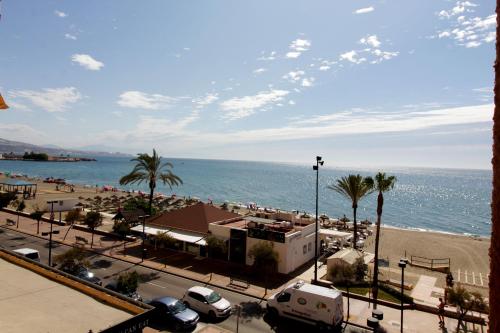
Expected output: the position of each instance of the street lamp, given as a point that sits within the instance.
(144, 217)
(316, 168)
(402, 263)
(51, 232)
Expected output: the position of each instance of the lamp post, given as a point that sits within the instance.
(402, 263)
(316, 168)
(144, 217)
(51, 232)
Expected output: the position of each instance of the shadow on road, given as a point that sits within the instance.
(101, 263)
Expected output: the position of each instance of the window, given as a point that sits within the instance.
(309, 247)
(284, 297)
(304, 249)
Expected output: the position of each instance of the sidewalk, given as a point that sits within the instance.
(414, 321)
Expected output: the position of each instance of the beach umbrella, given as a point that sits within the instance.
(3, 105)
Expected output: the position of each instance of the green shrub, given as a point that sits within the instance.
(395, 293)
(128, 282)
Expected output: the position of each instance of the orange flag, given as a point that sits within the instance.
(3, 106)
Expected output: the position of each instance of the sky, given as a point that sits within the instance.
(360, 83)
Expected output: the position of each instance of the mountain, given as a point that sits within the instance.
(7, 146)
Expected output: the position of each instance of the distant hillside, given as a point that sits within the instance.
(7, 146)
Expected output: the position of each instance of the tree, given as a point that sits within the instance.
(71, 260)
(127, 282)
(465, 301)
(360, 268)
(37, 215)
(20, 207)
(494, 284)
(265, 258)
(151, 169)
(216, 247)
(382, 184)
(341, 273)
(355, 188)
(92, 220)
(162, 238)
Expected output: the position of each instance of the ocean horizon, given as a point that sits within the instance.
(435, 199)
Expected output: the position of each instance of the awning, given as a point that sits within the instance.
(181, 235)
(334, 233)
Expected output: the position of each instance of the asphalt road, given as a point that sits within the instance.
(156, 284)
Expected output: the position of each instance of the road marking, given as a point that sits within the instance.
(481, 278)
(157, 285)
(459, 275)
(466, 277)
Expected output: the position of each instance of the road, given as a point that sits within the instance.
(155, 284)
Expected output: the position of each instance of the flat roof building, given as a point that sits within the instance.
(36, 298)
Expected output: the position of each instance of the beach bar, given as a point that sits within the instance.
(19, 186)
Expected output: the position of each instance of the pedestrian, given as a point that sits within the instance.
(441, 307)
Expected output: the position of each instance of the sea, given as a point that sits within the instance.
(446, 200)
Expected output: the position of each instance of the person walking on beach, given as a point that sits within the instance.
(441, 312)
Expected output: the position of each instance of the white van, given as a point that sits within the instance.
(308, 303)
(29, 253)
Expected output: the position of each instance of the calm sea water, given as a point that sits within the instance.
(455, 201)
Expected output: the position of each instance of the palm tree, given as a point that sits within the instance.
(494, 284)
(382, 184)
(20, 207)
(149, 168)
(355, 188)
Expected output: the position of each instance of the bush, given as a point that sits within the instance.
(73, 216)
(71, 260)
(127, 282)
(6, 198)
(360, 268)
(122, 228)
(162, 238)
(395, 293)
(341, 273)
(216, 247)
(265, 258)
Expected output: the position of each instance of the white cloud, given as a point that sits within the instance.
(324, 67)
(141, 100)
(297, 47)
(467, 31)
(300, 45)
(259, 71)
(87, 62)
(49, 99)
(241, 107)
(206, 100)
(370, 41)
(291, 102)
(459, 8)
(60, 14)
(294, 76)
(307, 82)
(472, 44)
(364, 10)
(293, 55)
(70, 36)
(22, 132)
(269, 57)
(352, 56)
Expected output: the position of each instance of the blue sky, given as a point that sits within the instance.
(362, 83)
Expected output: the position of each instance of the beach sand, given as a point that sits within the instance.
(466, 254)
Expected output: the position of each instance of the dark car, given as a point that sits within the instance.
(114, 286)
(172, 310)
(84, 274)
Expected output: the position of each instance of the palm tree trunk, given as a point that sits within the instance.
(355, 243)
(151, 192)
(92, 240)
(380, 203)
(494, 285)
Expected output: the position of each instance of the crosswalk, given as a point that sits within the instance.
(472, 278)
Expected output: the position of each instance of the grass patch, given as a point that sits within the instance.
(382, 295)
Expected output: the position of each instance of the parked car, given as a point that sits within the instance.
(173, 311)
(207, 301)
(114, 286)
(308, 303)
(83, 273)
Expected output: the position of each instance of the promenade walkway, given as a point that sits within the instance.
(212, 272)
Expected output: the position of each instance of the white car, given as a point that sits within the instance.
(207, 301)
